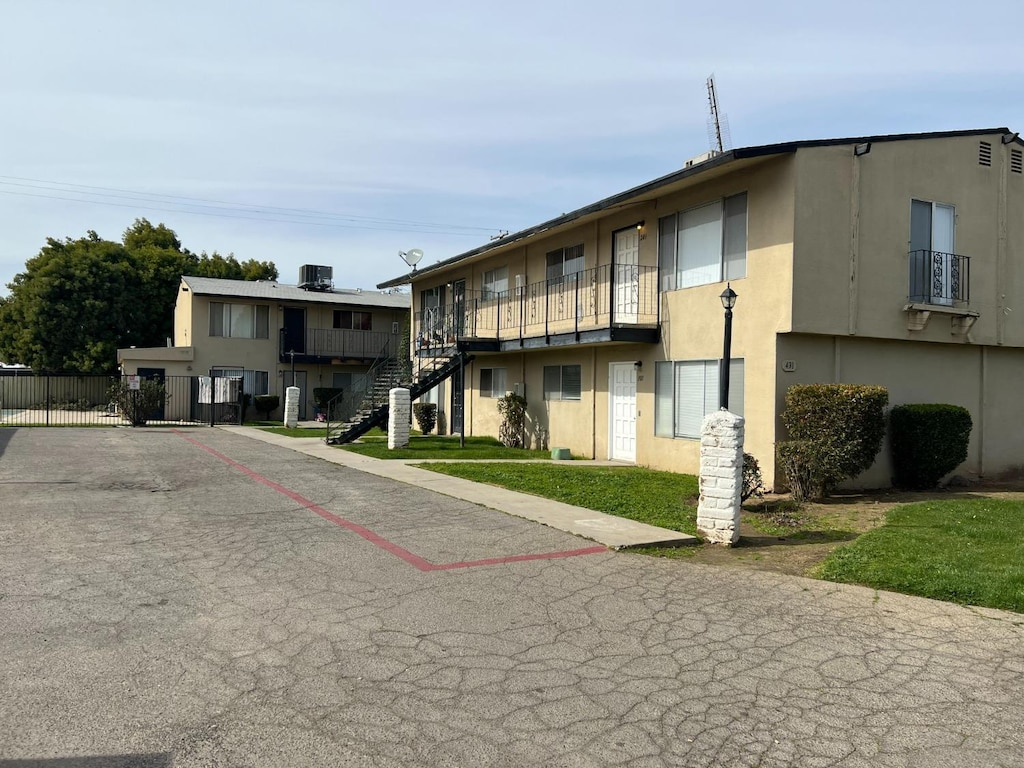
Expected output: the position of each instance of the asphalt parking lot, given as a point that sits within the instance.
(196, 598)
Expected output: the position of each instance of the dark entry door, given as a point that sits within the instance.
(294, 330)
(158, 375)
(457, 412)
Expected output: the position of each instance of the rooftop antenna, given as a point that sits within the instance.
(718, 124)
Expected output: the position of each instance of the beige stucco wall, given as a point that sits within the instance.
(693, 318)
(853, 231)
(984, 380)
(692, 324)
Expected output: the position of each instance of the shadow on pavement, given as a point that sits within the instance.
(5, 437)
(155, 760)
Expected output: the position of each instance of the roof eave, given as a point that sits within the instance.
(742, 153)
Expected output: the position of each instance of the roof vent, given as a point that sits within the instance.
(702, 158)
(984, 154)
(316, 278)
(1016, 161)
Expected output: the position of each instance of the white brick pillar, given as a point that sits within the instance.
(398, 418)
(721, 477)
(291, 407)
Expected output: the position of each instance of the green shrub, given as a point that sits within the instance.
(137, 405)
(929, 440)
(753, 483)
(840, 426)
(798, 461)
(512, 408)
(426, 416)
(265, 404)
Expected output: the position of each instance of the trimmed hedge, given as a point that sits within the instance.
(839, 428)
(929, 440)
(426, 416)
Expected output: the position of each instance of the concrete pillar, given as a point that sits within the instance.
(291, 407)
(721, 477)
(398, 418)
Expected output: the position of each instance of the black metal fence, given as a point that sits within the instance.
(54, 400)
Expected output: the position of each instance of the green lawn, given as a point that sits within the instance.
(665, 499)
(320, 432)
(963, 551)
(435, 447)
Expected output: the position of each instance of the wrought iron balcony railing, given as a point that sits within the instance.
(939, 278)
(602, 297)
(338, 343)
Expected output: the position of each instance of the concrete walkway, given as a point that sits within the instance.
(612, 531)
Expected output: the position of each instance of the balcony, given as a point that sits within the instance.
(603, 304)
(324, 345)
(939, 284)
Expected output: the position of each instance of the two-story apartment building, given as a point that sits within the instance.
(272, 334)
(895, 260)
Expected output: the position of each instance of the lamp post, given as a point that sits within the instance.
(728, 298)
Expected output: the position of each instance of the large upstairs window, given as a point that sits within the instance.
(353, 320)
(240, 321)
(702, 245)
(495, 284)
(564, 263)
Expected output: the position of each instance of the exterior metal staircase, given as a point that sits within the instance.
(351, 415)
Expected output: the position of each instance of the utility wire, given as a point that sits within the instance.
(226, 215)
(217, 205)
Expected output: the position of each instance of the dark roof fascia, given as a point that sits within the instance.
(732, 155)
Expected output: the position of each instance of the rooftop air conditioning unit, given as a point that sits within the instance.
(313, 277)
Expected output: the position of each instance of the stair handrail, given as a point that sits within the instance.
(343, 405)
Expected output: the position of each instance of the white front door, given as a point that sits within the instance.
(627, 275)
(622, 411)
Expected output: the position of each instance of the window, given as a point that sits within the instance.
(562, 382)
(686, 392)
(356, 321)
(253, 382)
(702, 245)
(240, 321)
(565, 262)
(495, 284)
(492, 382)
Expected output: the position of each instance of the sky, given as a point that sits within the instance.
(341, 132)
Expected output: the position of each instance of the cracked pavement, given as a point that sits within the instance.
(162, 605)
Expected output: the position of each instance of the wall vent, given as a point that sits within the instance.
(984, 153)
(1016, 161)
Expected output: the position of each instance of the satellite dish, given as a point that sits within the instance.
(411, 257)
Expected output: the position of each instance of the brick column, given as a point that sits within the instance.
(721, 477)
(398, 417)
(291, 407)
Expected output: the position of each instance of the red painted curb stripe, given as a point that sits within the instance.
(520, 558)
(375, 539)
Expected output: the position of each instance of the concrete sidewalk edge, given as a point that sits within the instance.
(608, 530)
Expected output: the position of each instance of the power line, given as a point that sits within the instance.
(226, 215)
(292, 214)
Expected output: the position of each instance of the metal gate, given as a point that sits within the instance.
(66, 400)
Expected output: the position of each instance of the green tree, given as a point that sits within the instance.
(79, 300)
